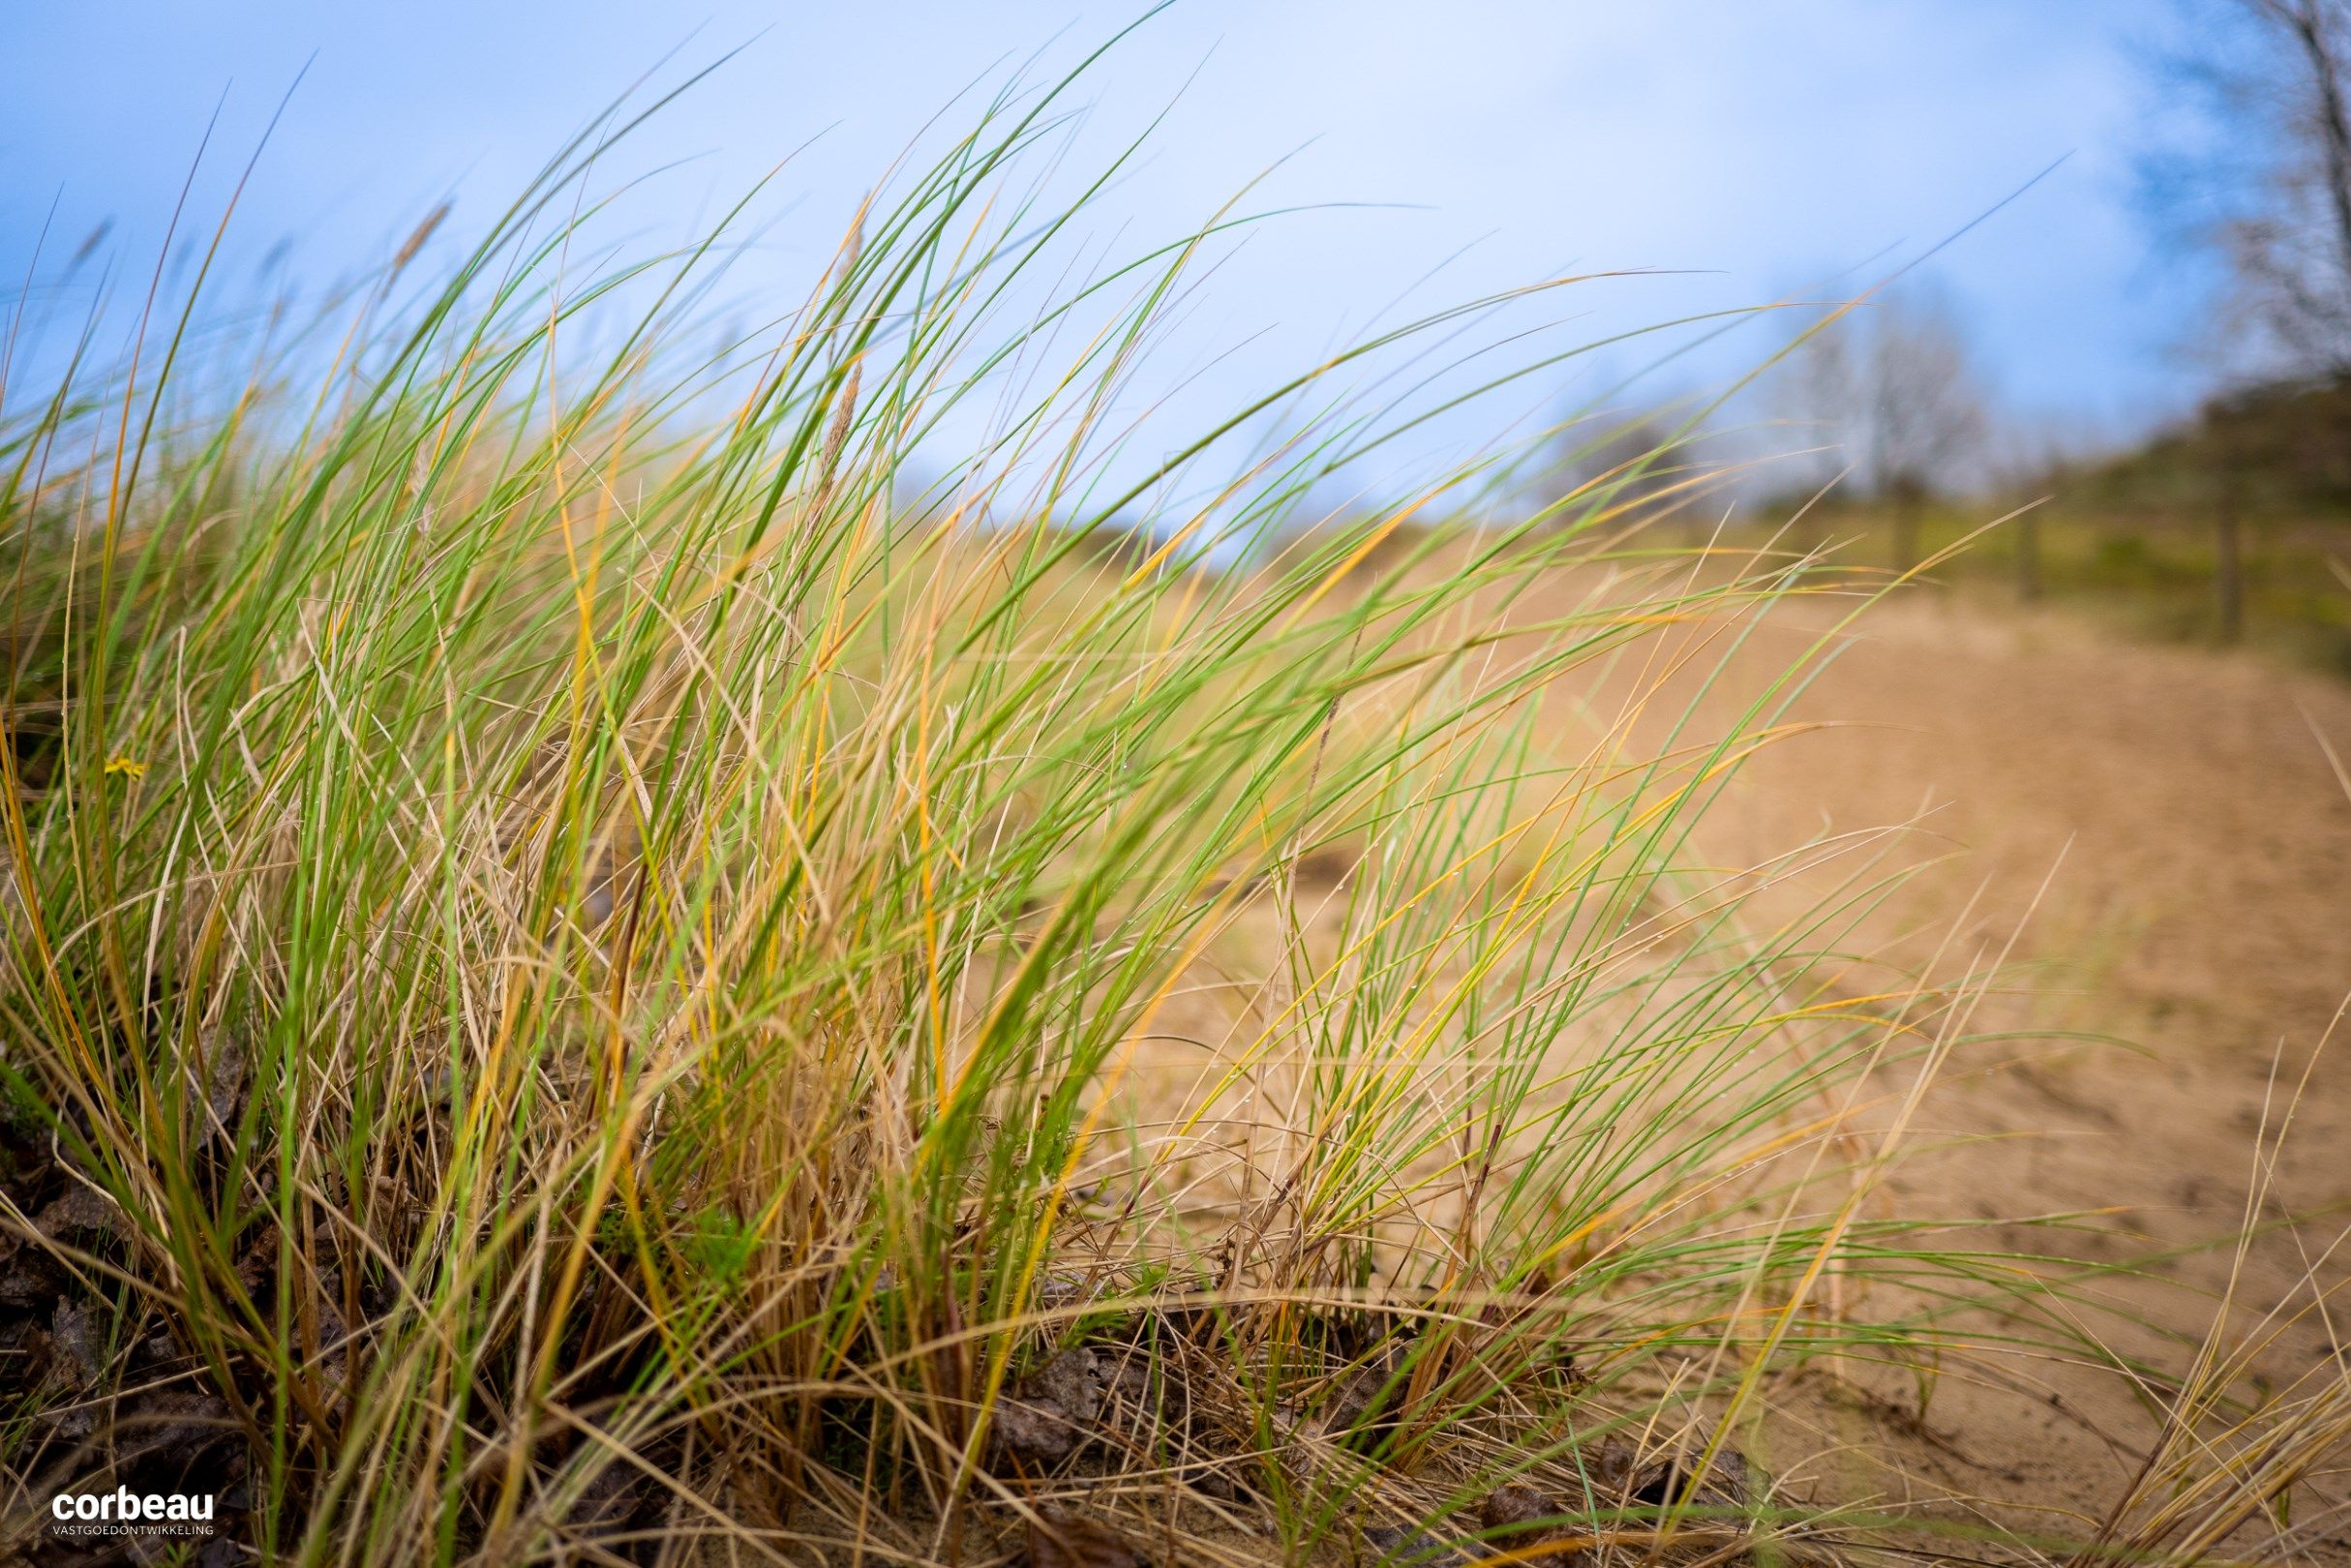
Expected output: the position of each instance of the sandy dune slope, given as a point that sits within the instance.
(2167, 826)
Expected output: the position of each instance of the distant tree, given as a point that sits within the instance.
(2257, 166)
(1892, 389)
(1631, 461)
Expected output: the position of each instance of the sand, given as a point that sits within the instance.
(2163, 835)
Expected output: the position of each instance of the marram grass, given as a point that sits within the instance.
(606, 955)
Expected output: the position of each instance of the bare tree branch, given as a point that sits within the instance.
(2271, 180)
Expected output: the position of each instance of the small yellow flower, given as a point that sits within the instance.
(127, 767)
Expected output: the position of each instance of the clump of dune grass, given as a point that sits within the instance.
(609, 957)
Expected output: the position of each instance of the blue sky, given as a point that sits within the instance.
(1753, 148)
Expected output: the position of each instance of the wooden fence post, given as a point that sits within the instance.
(2228, 575)
(1908, 505)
